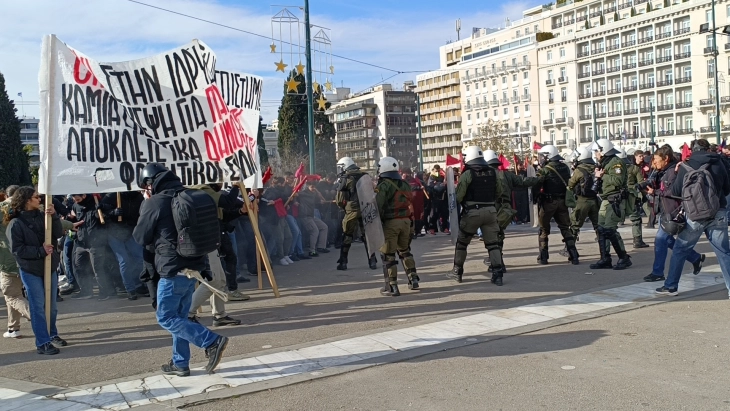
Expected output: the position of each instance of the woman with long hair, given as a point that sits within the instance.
(26, 233)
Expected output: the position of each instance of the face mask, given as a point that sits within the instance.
(543, 161)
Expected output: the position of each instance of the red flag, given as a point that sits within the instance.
(313, 177)
(515, 161)
(536, 146)
(451, 161)
(299, 186)
(505, 163)
(300, 171)
(267, 175)
(686, 152)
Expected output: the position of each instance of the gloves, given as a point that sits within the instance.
(117, 212)
(207, 274)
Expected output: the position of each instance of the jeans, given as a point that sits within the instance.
(296, 234)
(662, 243)
(36, 293)
(716, 232)
(68, 258)
(250, 243)
(174, 297)
(129, 256)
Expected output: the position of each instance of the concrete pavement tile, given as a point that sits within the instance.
(474, 328)
(520, 316)
(398, 340)
(107, 396)
(493, 322)
(134, 393)
(289, 363)
(245, 371)
(159, 388)
(52, 405)
(13, 399)
(197, 383)
(328, 355)
(558, 311)
(364, 347)
(428, 332)
(462, 330)
(570, 304)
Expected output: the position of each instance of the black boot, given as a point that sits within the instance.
(413, 280)
(623, 262)
(497, 275)
(342, 262)
(390, 290)
(564, 252)
(373, 262)
(605, 261)
(639, 243)
(456, 273)
(543, 257)
(573, 255)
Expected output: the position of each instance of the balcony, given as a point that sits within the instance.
(629, 66)
(727, 46)
(614, 113)
(584, 74)
(646, 39)
(596, 14)
(586, 95)
(560, 142)
(628, 89)
(613, 69)
(581, 18)
(469, 107)
(512, 68)
(664, 83)
(494, 103)
(646, 109)
(515, 100)
(665, 133)
(550, 82)
(681, 31)
(598, 72)
(582, 54)
(551, 100)
(625, 5)
(629, 43)
(597, 50)
(504, 101)
(560, 120)
(562, 80)
(631, 111)
(601, 115)
(710, 50)
(664, 35)
(725, 100)
(547, 122)
(614, 91)
(609, 10)
(563, 99)
(584, 117)
(644, 86)
(664, 59)
(569, 22)
(557, 25)
(665, 107)
(683, 80)
(684, 131)
(613, 47)
(646, 62)
(525, 65)
(707, 102)
(686, 104)
(709, 129)
(586, 139)
(680, 56)
(599, 93)
(525, 97)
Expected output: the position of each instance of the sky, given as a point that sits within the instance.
(394, 35)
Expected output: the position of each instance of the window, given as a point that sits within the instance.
(551, 95)
(527, 108)
(525, 75)
(494, 96)
(514, 77)
(527, 123)
(504, 80)
(564, 93)
(708, 16)
(504, 95)
(562, 72)
(518, 33)
(565, 112)
(496, 113)
(476, 86)
(484, 84)
(550, 74)
(552, 114)
(514, 59)
(526, 91)
(517, 109)
(514, 93)
(562, 52)
(506, 111)
(536, 28)
(687, 71)
(710, 42)
(565, 136)
(477, 116)
(552, 136)
(710, 68)
(468, 117)
(467, 87)
(494, 82)
(549, 55)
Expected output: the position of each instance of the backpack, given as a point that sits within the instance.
(196, 219)
(699, 194)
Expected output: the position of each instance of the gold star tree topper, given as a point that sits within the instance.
(280, 66)
(291, 84)
(300, 68)
(321, 102)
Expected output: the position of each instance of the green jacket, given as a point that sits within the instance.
(346, 197)
(635, 176)
(507, 182)
(579, 175)
(7, 261)
(615, 177)
(393, 198)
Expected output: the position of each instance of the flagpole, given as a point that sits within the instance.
(22, 104)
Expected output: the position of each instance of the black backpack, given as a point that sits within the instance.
(196, 220)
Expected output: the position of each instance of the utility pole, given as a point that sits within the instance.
(717, 68)
(310, 107)
(420, 137)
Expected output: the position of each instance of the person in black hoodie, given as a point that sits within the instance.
(666, 168)
(26, 234)
(714, 229)
(156, 227)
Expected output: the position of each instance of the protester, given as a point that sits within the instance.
(156, 227)
(10, 283)
(439, 202)
(202, 293)
(317, 230)
(26, 233)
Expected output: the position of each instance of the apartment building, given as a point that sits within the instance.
(626, 69)
(29, 136)
(377, 123)
(440, 105)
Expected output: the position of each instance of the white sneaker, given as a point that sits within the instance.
(283, 261)
(289, 260)
(12, 334)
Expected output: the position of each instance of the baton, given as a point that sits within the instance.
(196, 275)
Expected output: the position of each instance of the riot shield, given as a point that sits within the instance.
(453, 210)
(533, 208)
(370, 214)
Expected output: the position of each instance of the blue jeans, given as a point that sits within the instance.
(662, 243)
(68, 258)
(249, 243)
(234, 245)
(296, 236)
(174, 296)
(36, 293)
(129, 256)
(716, 232)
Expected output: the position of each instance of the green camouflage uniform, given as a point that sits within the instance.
(346, 198)
(586, 206)
(393, 198)
(635, 176)
(612, 210)
(551, 202)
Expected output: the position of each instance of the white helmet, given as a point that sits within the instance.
(549, 151)
(491, 157)
(345, 163)
(388, 167)
(585, 155)
(473, 156)
(604, 145)
(621, 154)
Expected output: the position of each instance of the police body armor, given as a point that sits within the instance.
(483, 186)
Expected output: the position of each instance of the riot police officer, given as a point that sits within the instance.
(634, 169)
(554, 176)
(346, 186)
(477, 193)
(393, 198)
(611, 182)
(581, 183)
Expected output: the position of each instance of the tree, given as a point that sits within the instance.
(32, 171)
(293, 119)
(263, 154)
(493, 136)
(14, 165)
(325, 160)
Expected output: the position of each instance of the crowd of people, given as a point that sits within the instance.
(129, 244)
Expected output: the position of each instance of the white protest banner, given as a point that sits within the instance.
(101, 123)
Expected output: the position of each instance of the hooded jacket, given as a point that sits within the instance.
(717, 169)
(669, 204)
(156, 227)
(91, 232)
(7, 261)
(26, 234)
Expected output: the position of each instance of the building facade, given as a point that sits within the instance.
(29, 136)
(374, 124)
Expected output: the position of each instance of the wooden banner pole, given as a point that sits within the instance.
(119, 204)
(258, 268)
(259, 240)
(47, 267)
(101, 215)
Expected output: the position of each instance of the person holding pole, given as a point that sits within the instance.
(26, 233)
(156, 226)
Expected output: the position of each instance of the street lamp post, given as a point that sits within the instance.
(310, 107)
(420, 137)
